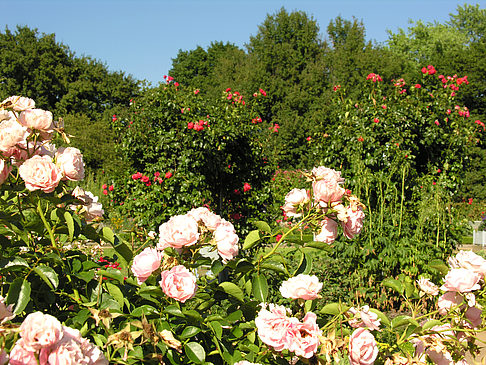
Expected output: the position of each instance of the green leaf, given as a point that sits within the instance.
(112, 274)
(108, 235)
(320, 245)
(432, 323)
(263, 226)
(174, 310)
(402, 321)
(334, 309)
(251, 239)
(260, 287)
(305, 265)
(150, 290)
(19, 294)
(383, 318)
(70, 224)
(393, 284)
(190, 331)
(232, 290)
(217, 329)
(274, 266)
(15, 264)
(195, 352)
(216, 267)
(48, 275)
(439, 265)
(116, 293)
(235, 316)
(144, 310)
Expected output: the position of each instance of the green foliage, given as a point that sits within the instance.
(159, 137)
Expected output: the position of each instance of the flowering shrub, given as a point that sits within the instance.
(193, 293)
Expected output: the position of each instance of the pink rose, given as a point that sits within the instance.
(293, 199)
(362, 347)
(21, 356)
(40, 330)
(302, 286)
(327, 191)
(37, 119)
(91, 208)
(461, 280)
(179, 231)
(473, 315)
(306, 337)
(6, 312)
(70, 161)
(227, 243)
(449, 300)
(11, 133)
(145, 263)
(471, 261)
(39, 172)
(354, 224)
(325, 173)
(3, 357)
(4, 171)
(73, 349)
(274, 328)
(202, 214)
(428, 287)
(328, 231)
(20, 103)
(364, 318)
(178, 283)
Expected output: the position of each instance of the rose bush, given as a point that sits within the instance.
(195, 293)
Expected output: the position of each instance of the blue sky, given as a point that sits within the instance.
(141, 37)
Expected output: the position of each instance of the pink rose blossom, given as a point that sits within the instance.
(4, 171)
(6, 311)
(211, 220)
(293, 199)
(178, 232)
(449, 300)
(325, 173)
(20, 103)
(36, 119)
(471, 261)
(70, 161)
(227, 242)
(428, 287)
(328, 231)
(178, 283)
(302, 286)
(306, 337)
(40, 173)
(91, 208)
(364, 318)
(354, 223)
(145, 263)
(274, 328)
(21, 356)
(11, 133)
(327, 191)
(363, 349)
(40, 330)
(3, 357)
(461, 280)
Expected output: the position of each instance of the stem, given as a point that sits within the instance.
(438, 217)
(46, 224)
(401, 202)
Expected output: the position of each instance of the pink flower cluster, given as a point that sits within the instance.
(146, 180)
(44, 338)
(302, 286)
(41, 165)
(198, 126)
(235, 97)
(281, 332)
(180, 232)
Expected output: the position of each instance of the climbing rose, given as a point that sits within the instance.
(40, 173)
(145, 263)
(328, 231)
(70, 161)
(20, 103)
(40, 330)
(4, 171)
(354, 224)
(36, 119)
(427, 286)
(363, 349)
(461, 280)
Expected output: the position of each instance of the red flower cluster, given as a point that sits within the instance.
(399, 83)
(246, 187)
(430, 70)
(337, 87)
(114, 118)
(376, 120)
(235, 97)
(256, 120)
(275, 128)
(198, 126)
(478, 122)
(106, 188)
(374, 77)
(146, 180)
(360, 139)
